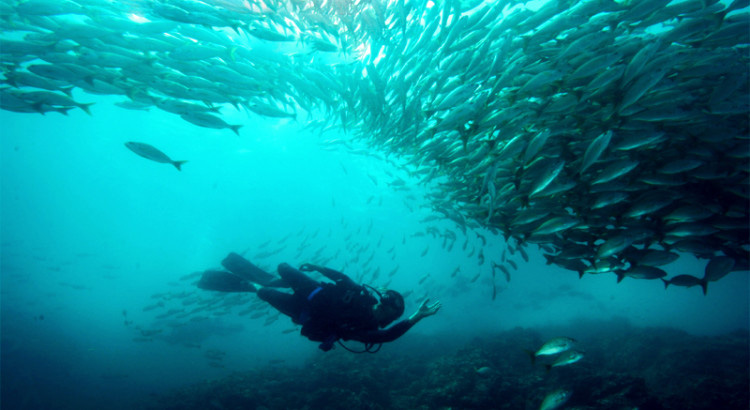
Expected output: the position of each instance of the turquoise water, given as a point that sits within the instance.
(91, 231)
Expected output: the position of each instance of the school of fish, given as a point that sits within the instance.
(613, 134)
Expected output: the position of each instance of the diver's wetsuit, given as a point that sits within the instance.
(327, 311)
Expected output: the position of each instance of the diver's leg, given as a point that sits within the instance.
(297, 280)
(285, 303)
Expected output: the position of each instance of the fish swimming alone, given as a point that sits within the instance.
(483, 371)
(149, 152)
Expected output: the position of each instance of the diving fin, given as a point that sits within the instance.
(224, 282)
(246, 270)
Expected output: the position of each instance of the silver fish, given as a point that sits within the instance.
(149, 152)
(555, 399)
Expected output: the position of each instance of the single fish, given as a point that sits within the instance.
(687, 281)
(552, 346)
(640, 272)
(206, 120)
(149, 152)
(484, 370)
(565, 359)
(595, 150)
(555, 399)
(657, 258)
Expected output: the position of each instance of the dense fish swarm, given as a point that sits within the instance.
(614, 134)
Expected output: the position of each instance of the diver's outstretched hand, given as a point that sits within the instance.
(428, 310)
(425, 310)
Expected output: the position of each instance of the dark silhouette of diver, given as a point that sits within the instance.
(328, 312)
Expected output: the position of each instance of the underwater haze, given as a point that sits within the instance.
(414, 179)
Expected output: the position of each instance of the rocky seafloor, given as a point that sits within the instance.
(624, 367)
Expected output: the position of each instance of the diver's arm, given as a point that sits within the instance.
(394, 332)
(385, 335)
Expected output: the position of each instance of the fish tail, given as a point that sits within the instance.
(704, 286)
(548, 367)
(235, 129)
(178, 164)
(85, 107)
(666, 283)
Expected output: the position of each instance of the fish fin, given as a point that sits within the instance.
(666, 282)
(63, 110)
(704, 286)
(549, 258)
(620, 276)
(38, 107)
(178, 164)
(236, 129)
(68, 90)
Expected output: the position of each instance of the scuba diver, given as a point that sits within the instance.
(328, 312)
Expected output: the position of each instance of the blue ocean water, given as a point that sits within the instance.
(100, 247)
